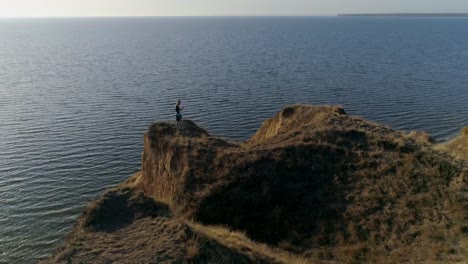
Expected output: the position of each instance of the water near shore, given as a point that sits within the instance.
(77, 94)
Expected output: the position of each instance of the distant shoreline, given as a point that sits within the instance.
(407, 15)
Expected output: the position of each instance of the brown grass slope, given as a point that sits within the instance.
(124, 226)
(313, 181)
(457, 147)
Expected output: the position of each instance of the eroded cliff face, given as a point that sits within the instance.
(178, 163)
(457, 147)
(313, 181)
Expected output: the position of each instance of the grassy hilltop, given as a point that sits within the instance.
(313, 185)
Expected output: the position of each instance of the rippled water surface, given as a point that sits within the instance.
(77, 94)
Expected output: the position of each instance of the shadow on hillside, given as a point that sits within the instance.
(283, 197)
(118, 208)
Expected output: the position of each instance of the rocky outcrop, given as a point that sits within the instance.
(312, 185)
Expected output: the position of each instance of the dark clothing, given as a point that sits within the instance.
(178, 115)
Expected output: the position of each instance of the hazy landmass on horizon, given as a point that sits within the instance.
(409, 14)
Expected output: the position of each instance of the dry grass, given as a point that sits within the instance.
(193, 247)
(464, 131)
(323, 186)
(457, 147)
(163, 240)
(239, 242)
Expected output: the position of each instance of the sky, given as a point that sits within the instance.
(78, 8)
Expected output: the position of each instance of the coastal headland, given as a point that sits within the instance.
(312, 185)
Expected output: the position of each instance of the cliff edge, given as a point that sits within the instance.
(457, 147)
(313, 185)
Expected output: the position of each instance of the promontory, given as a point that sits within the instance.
(312, 185)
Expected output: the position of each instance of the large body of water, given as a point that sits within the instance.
(76, 95)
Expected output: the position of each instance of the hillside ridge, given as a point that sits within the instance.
(312, 185)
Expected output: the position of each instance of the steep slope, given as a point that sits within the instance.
(313, 181)
(457, 147)
(124, 226)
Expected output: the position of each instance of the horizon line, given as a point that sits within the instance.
(269, 15)
(148, 16)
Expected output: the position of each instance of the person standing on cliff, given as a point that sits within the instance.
(178, 109)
